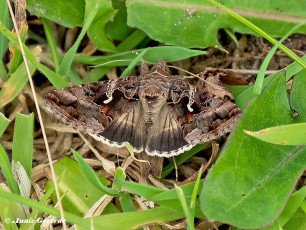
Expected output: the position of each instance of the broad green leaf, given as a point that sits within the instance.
(78, 193)
(22, 149)
(131, 41)
(4, 122)
(96, 31)
(293, 134)
(246, 187)
(154, 54)
(195, 23)
(14, 85)
(117, 28)
(68, 13)
(292, 206)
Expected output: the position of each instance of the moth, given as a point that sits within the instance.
(161, 114)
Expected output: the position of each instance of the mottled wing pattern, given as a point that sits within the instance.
(112, 112)
(210, 117)
(128, 128)
(165, 138)
(84, 107)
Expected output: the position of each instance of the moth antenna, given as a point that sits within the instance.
(192, 75)
(178, 68)
(110, 62)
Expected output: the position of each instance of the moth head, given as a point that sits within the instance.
(153, 97)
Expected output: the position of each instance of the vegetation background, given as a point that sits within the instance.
(256, 180)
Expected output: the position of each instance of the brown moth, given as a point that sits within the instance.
(156, 112)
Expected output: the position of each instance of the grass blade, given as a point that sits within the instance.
(7, 171)
(182, 158)
(190, 218)
(293, 134)
(128, 70)
(91, 8)
(15, 84)
(54, 78)
(51, 41)
(4, 122)
(91, 176)
(22, 149)
(258, 86)
(260, 32)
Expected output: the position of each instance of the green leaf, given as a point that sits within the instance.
(291, 207)
(196, 23)
(129, 69)
(117, 28)
(10, 210)
(119, 175)
(22, 149)
(7, 171)
(6, 19)
(4, 122)
(298, 96)
(51, 42)
(261, 74)
(246, 187)
(15, 84)
(186, 208)
(54, 78)
(154, 54)
(92, 7)
(129, 220)
(166, 198)
(91, 176)
(68, 13)
(132, 220)
(182, 158)
(85, 223)
(293, 134)
(126, 203)
(244, 97)
(259, 31)
(96, 31)
(78, 193)
(131, 41)
(297, 222)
